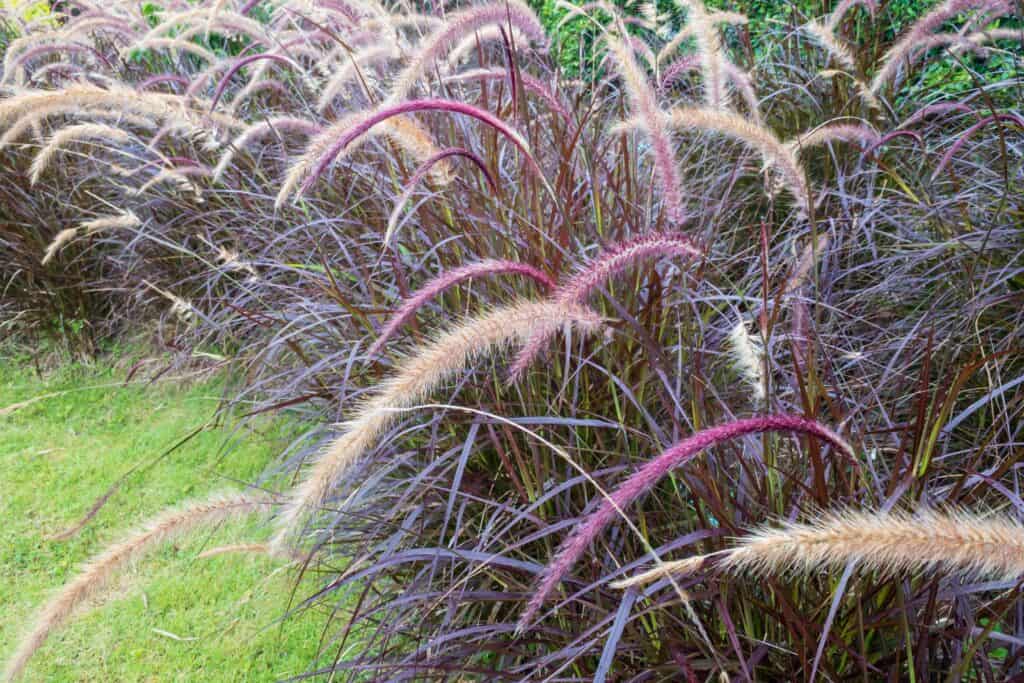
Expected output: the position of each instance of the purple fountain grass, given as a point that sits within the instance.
(421, 172)
(916, 38)
(449, 279)
(833, 132)
(614, 260)
(362, 124)
(98, 572)
(939, 108)
(739, 78)
(510, 13)
(888, 543)
(962, 140)
(644, 104)
(759, 137)
(240, 64)
(159, 79)
(644, 479)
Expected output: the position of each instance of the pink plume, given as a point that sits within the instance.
(613, 261)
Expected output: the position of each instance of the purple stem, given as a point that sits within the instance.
(955, 147)
(241, 63)
(406, 108)
(449, 279)
(162, 78)
(644, 479)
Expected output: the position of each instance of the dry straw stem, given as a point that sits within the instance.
(98, 571)
(416, 376)
(62, 238)
(890, 543)
(761, 138)
(512, 13)
(68, 134)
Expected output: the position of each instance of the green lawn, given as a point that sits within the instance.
(172, 617)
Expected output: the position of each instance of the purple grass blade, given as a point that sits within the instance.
(644, 479)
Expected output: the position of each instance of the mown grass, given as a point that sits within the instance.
(175, 617)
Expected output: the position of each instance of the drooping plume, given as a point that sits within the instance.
(732, 125)
(417, 375)
(98, 571)
(890, 543)
(449, 279)
(459, 25)
(644, 104)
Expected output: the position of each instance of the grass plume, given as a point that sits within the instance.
(449, 279)
(97, 572)
(417, 375)
(889, 543)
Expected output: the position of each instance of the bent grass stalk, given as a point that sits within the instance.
(644, 479)
(427, 167)
(74, 133)
(98, 571)
(449, 279)
(760, 138)
(417, 375)
(644, 105)
(354, 129)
